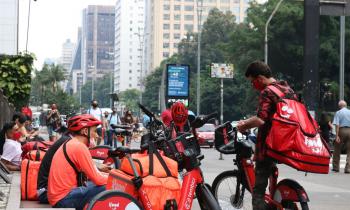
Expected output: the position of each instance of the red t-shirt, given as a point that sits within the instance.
(166, 117)
(62, 178)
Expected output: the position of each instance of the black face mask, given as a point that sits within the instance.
(114, 112)
(94, 105)
(106, 115)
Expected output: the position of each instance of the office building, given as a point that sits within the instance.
(9, 27)
(97, 43)
(129, 39)
(168, 21)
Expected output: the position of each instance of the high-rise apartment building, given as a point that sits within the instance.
(168, 21)
(97, 41)
(129, 39)
(9, 27)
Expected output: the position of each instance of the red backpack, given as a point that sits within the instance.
(294, 138)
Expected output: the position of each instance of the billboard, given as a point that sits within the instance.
(178, 81)
(221, 70)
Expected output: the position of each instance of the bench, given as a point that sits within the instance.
(15, 202)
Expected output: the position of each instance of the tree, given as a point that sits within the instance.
(45, 89)
(130, 98)
(101, 92)
(15, 77)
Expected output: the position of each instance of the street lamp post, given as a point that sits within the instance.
(266, 26)
(141, 40)
(30, 1)
(199, 26)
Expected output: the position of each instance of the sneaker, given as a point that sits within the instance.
(335, 170)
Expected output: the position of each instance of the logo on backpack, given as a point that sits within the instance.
(286, 111)
(315, 143)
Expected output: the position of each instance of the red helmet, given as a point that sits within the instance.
(179, 113)
(79, 122)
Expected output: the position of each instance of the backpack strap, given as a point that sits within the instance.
(276, 91)
(81, 178)
(153, 150)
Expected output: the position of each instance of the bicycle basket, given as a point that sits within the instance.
(224, 138)
(177, 146)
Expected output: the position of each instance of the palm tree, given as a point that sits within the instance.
(56, 75)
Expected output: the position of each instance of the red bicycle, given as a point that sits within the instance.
(233, 188)
(183, 149)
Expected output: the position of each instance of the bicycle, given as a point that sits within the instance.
(233, 188)
(180, 149)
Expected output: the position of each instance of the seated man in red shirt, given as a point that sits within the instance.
(65, 189)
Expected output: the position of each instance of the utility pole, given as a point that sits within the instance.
(199, 27)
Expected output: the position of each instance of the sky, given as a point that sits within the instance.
(51, 23)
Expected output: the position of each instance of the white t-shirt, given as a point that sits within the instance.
(12, 152)
(97, 113)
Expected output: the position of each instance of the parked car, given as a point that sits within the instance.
(206, 135)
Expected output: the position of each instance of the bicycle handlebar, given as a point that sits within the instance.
(201, 120)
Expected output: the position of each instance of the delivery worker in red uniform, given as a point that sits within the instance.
(260, 76)
(71, 159)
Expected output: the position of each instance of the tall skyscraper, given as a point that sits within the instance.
(67, 55)
(9, 27)
(97, 41)
(168, 21)
(76, 74)
(129, 39)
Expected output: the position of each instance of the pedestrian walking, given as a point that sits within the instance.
(97, 113)
(342, 131)
(113, 119)
(53, 122)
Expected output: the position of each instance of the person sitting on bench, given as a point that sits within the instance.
(10, 148)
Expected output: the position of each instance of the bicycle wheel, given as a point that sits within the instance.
(113, 199)
(206, 199)
(230, 192)
(290, 205)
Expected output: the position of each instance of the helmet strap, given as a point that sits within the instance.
(88, 137)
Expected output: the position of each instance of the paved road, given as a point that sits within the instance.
(326, 192)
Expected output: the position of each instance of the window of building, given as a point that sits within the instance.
(165, 45)
(177, 17)
(177, 7)
(166, 54)
(130, 71)
(225, 1)
(188, 17)
(188, 8)
(130, 85)
(166, 7)
(166, 36)
(177, 36)
(166, 17)
(188, 27)
(166, 26)
(177, 26)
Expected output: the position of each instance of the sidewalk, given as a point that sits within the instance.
(4, 193)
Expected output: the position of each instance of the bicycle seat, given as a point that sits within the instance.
(122, 151)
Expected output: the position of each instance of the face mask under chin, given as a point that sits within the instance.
(92, 143)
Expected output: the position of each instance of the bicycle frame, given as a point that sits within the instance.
(189, 184)
(288, 189)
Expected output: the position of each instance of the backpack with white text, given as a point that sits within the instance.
(294, 138)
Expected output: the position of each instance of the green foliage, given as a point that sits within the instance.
(223, 41)
(46, 89)
(15, 77)
(101, 92)
(130, 98)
